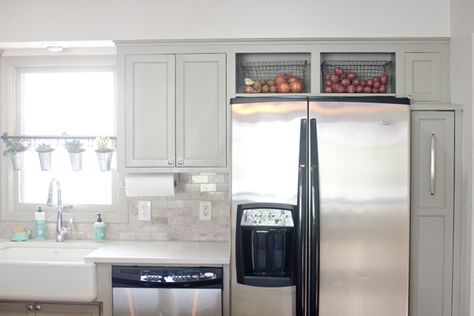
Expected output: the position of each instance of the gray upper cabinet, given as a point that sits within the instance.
(174, 111)
(423, 80)
(201, 110)
(432, 213)
(149, 110)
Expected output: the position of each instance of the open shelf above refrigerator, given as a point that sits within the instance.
(273, 73)
(358, 73)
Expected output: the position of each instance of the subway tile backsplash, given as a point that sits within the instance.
(172, 218)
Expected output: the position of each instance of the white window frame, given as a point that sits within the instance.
(11, 68)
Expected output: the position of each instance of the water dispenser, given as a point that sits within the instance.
(265, 244)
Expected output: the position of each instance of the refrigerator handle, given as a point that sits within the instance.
(432, 163)
(300, 263)
(313, 225)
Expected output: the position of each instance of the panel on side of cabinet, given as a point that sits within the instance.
(432, 210)
(201, 110)
(423, 76)
(149, 110)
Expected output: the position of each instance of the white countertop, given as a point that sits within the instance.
(161, 252)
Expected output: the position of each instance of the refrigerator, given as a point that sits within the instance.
(320, 206)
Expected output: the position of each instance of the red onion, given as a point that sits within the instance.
(338, 71)
(338, 88)
(345, 82)
(334, 78)
(351, 75)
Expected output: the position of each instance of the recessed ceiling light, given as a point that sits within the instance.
(55, 49)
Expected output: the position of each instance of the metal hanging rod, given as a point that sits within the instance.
(5, 137)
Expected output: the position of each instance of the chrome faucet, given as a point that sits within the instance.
(61, 230)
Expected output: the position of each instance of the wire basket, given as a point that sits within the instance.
(269, 70)
(364, 69)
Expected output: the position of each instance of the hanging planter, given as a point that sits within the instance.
(15, 150)
(44, 154)
(103, 153)
(75, 150)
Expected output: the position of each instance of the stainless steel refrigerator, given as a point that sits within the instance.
(340, 166)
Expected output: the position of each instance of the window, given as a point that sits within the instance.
(51, 99)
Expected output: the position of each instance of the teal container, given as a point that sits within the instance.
(40, 224)
(99, 229)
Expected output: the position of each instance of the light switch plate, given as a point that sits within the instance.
(205, 210)
(144, 210)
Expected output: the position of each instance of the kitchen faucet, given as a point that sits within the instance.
(61, 230)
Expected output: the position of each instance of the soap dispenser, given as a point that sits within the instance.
(40, 224)
(99, 229)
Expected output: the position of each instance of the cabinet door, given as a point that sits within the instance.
(432, 211)
(423, 76)
(16, 309)
(149, 110)
(201, 110)
(67, 309)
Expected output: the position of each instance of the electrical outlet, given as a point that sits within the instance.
(144, 210)
(205, 209)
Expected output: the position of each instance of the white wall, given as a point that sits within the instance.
(50, 20)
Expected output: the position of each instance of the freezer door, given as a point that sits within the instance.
(363, 151)
(265, 149)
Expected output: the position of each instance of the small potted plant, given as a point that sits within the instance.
(44, 154)
(75, 150)
(15, 149)
(103, 153)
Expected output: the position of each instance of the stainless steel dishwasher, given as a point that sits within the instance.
(166, 291)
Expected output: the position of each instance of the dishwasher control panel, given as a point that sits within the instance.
(166, 276)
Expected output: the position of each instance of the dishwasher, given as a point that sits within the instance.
(166, 291)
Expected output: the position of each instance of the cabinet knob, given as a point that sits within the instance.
(170, 162)
(180, 162)
(30, 307)
(38, 307)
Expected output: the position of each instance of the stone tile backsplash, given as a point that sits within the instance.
(172, 218)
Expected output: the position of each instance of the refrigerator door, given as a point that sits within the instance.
(363, 151)
(265, 145)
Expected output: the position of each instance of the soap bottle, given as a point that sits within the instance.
(99, 229)
(40, 224)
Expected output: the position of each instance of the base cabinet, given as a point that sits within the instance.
(48, 309)
(432, 213)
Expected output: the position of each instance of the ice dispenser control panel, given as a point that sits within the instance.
(267, 217)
